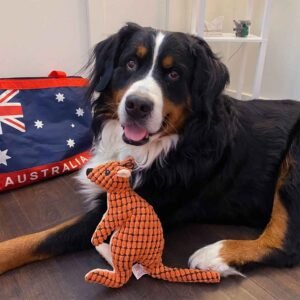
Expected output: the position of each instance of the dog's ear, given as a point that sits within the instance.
(209, 79)
(104, 57)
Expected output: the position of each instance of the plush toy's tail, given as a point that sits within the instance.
(184, 275)
(111, 279)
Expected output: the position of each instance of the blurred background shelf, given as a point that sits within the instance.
(198, 28)
(230, 37)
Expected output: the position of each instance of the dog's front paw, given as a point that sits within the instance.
(209, 258)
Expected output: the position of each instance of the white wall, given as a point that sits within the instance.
(37, 36)
(107, 16)
(282, 70)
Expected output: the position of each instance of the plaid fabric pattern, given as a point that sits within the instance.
(138, 234)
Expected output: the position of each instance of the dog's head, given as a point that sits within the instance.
(152, 81)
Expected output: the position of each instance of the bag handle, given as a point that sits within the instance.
(57, 74)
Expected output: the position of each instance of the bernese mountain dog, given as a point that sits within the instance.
(201, 155)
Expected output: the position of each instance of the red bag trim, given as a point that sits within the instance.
(39, 173)
(28, 84)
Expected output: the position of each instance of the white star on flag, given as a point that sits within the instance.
(70, 143)
(60, 97)
(72, 125)
(4, 157)
(79, 112)
(38, 124)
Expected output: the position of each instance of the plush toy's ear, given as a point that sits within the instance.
(128, 163)
(209, 79)
(104, 57)
(126, 173)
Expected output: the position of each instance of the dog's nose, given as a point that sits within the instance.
(138, 107)
(88, 171)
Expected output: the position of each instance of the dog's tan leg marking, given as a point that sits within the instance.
(21, 250)
(239, 252)
(242, 252)
(222, 255)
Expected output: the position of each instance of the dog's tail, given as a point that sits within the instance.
(183, 275)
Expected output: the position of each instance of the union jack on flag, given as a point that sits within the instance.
(10, 112)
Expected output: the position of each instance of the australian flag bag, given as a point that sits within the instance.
(45, 128)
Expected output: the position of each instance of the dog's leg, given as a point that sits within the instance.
(222, 256)
(278, 245)
(70, 236)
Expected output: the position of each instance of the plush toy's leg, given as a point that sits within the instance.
(105, 251)
(112, 279)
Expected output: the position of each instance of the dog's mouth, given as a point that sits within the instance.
(138, 135)
(135, 135)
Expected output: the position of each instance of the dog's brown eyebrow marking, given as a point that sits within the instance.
(167, 62)
(141, 51)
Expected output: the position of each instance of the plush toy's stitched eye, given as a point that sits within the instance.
(107, 172)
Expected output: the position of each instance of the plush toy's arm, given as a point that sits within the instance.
(109, 223)
(103, 230)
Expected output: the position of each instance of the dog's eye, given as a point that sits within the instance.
(107, 172)
(173, 75)
(131, 65)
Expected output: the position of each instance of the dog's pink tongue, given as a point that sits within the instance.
(135, 133)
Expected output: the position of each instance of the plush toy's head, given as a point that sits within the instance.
(112, 176)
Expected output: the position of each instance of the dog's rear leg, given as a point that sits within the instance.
(70, 236)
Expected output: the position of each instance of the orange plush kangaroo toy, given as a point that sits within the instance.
(137, 232)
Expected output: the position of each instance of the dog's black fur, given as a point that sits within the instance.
(227, 160)
(226, 164)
